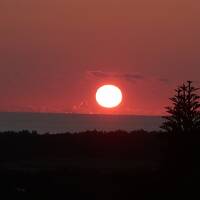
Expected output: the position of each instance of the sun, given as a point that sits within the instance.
(109, 96)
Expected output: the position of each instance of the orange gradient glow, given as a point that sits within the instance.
(109, 96)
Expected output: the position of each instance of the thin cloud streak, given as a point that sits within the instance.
(131, 77)
(123, 76)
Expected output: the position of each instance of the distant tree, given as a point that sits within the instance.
(184, 114)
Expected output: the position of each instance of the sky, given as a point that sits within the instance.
(55, 54)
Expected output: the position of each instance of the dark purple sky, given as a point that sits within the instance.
(54, 54)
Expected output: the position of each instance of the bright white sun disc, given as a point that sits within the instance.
(108, 96)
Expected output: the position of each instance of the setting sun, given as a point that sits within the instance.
(108, 96)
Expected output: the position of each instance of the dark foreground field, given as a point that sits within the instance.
(97, 165)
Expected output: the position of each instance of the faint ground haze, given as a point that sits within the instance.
(60, 123)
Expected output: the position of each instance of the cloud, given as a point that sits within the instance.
(164, 80)
(99, 74)
(130, 77)
(124, 76)
(83, 106)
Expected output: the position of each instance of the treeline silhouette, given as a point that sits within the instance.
(28, 145)
(99, 165)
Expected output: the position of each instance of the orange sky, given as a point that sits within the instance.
(54, 54)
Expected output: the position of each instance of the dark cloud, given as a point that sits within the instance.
(131, 77)
(123, 76)
(164, 80)
(99, 74)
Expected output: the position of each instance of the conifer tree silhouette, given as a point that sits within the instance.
(184, 114)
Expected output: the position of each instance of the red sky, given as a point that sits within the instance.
(54, 54)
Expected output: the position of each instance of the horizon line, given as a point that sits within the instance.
(76, 113)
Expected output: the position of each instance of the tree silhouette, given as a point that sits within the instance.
(184, 114)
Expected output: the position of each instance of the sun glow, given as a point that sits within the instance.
(108, 96)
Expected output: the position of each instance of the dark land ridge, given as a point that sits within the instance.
(99, 165)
